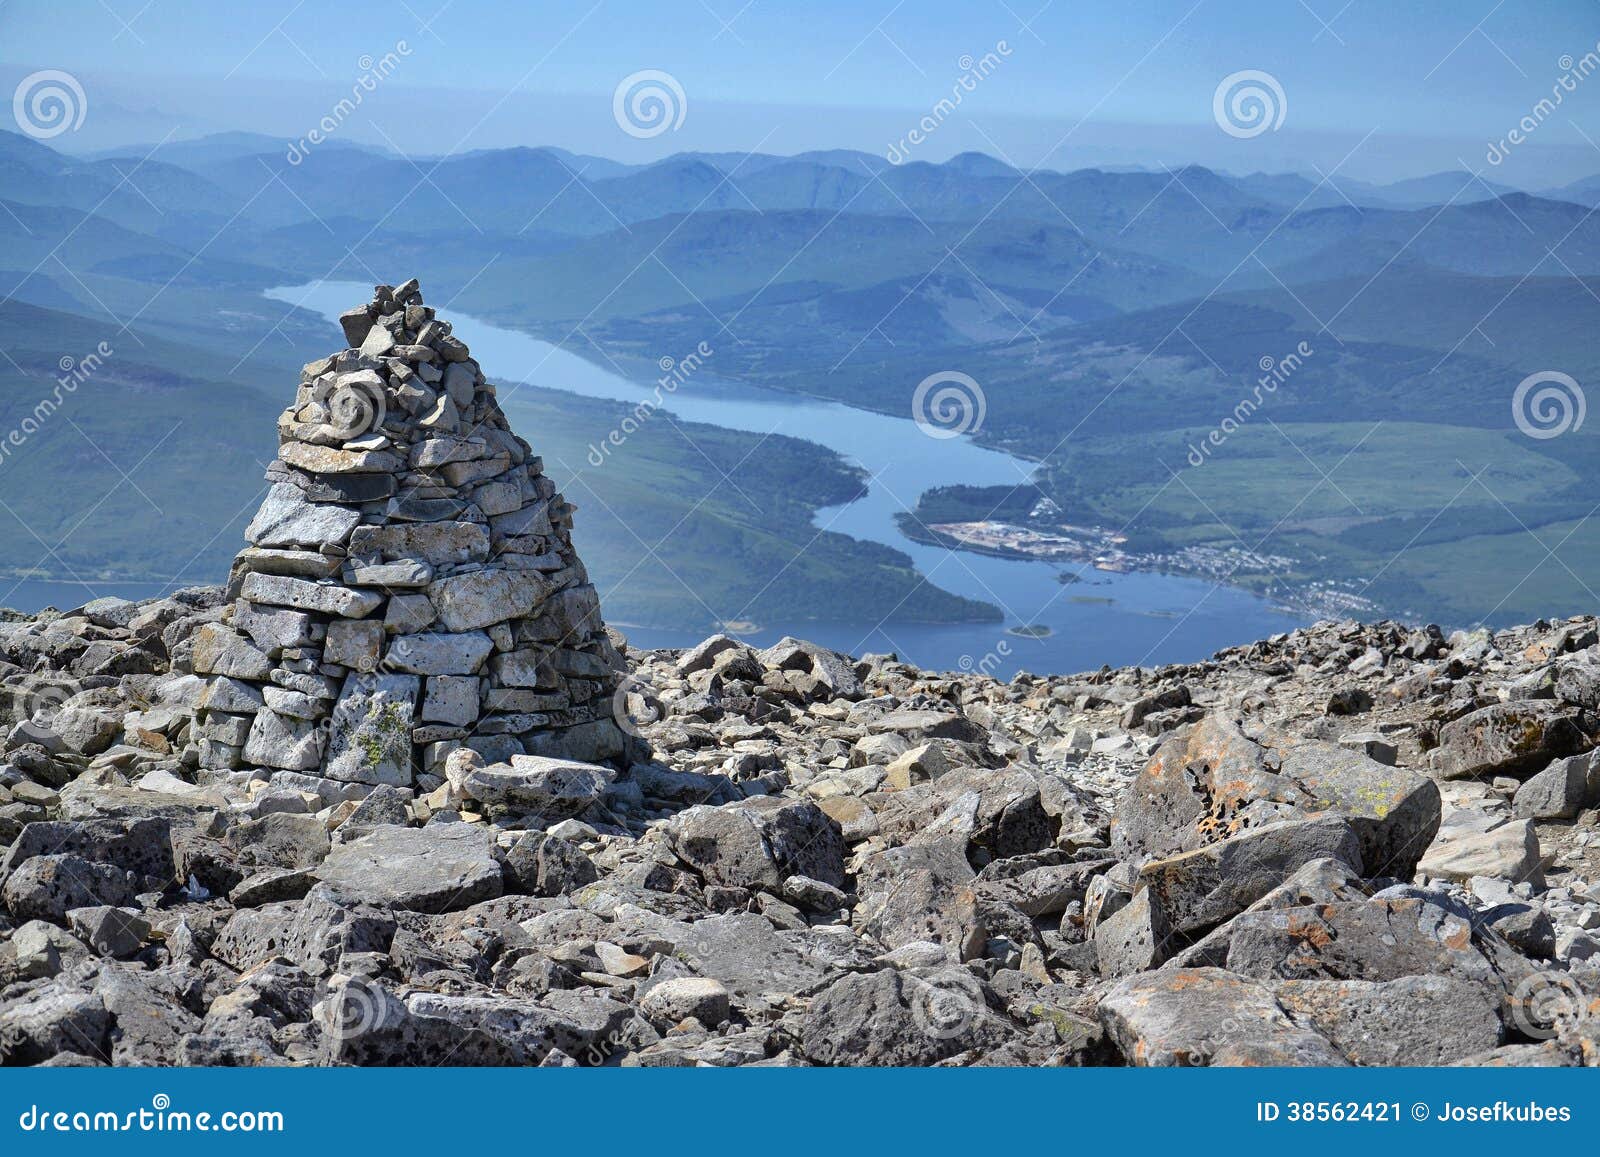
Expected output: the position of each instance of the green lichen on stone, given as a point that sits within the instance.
(385, 734)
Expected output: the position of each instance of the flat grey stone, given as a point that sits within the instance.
(438, 653)
(283, 741)
(436, 543)
(467, 602)
(324, 598)
(439, 868)
(451, 699)
(287, 519)
(356, 644)
(221, 651)
(551, 788)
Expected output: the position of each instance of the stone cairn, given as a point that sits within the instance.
(410, 587)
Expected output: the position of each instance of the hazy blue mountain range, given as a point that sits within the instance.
(1113, 318)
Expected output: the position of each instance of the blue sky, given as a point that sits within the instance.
(1129, 82)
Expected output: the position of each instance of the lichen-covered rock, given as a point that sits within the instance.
(1215, 782)
(1195, 1017)
(1415, 1020)
(1507, 738)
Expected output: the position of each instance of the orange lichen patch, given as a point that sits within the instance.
(1313, 933)
(1157, 767)
(1185, 979)
(1461, 938)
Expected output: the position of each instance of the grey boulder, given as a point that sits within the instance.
(439, 868)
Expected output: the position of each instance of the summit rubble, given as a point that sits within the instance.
(1351, 844)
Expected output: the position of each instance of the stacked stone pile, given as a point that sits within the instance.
(410, 587)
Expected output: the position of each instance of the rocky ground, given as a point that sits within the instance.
(1352, 844)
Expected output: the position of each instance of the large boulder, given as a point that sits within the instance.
(1379, 939)
(1415, 1020)
(48, 887)
(544, 865)
(754, 961)
(1206, 1016)
(1507, 852)
(439, 868)
(1507, 739)
(922, 892)
(1200, 889)
(1000, 812)
(1560, 791)
(900, 1018)
(51, 1020)
(1214, 782)
(552, 789)
(760, 842)
(141, 845)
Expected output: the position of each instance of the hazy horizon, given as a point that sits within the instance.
(1381, 94)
